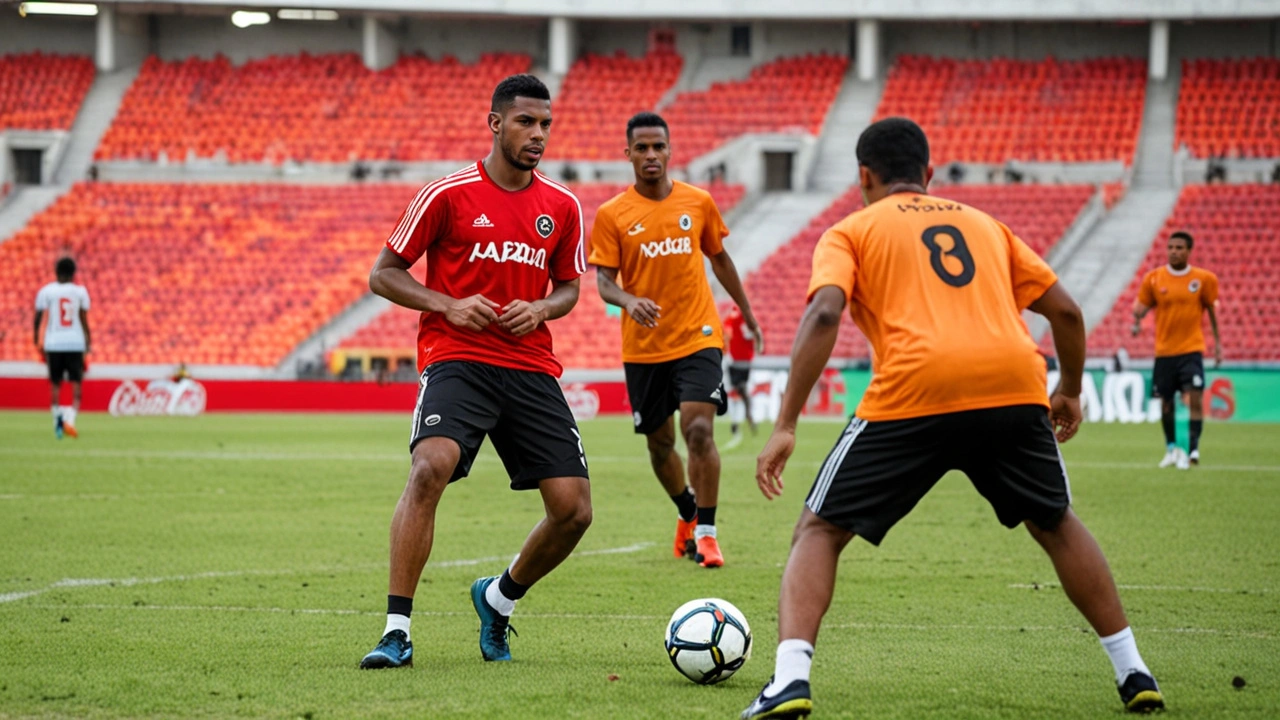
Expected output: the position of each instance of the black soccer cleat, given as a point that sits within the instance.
(394, 650)
(791, 703)
(1140, 694)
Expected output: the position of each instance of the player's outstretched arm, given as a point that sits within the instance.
(1066, 321)
(642, 310)
(815, 340)
(1217, 338)
(1139, 311)
(521, 318)
(390, 278)
(727, 273)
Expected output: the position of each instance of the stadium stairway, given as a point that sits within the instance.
(1154, 165)
(836, 167)
(764, 224)
(95, 116)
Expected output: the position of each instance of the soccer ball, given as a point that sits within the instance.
(708, 640)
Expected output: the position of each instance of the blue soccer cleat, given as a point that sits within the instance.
(394, 650)
(494, 626)
(790, 703)
(57, 427)
(1140, 694)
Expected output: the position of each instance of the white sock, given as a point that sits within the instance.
(1123, 652)
(503, 604)
(396, 621)
(69, 416)
(701, 531)
(56, 411)
(795, 657)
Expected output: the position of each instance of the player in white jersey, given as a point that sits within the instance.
(66, 340)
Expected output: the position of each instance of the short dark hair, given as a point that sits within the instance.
(895, 149)
(646, 120)
(514, 86)
(65, 267)
(1183, 234)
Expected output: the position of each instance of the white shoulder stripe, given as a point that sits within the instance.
(416, 203)
(400, 238)
(580, 255)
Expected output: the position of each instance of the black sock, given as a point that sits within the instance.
(707, 515)
(1170, 428)
(509, 588)
(686, 505)
(399, 605)
(1194, 442)
(733, 428)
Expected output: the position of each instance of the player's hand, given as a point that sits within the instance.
(644, 311)
(757, 335)
(1064, 415)
(1217, 356)
(1136, 330)
(772, 461)
(472, 313)
(521, 318)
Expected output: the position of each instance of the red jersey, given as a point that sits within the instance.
(742, 344)
(482, 239)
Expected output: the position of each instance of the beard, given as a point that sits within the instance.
(513, 157)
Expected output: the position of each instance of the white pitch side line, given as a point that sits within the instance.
(1041, 628)
(129, 582)
(1158, 588)
(336, 611)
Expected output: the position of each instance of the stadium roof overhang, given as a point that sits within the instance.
(1032, 10)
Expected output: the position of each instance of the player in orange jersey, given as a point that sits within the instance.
(648, 244)
(1180, 295)
(938, 288)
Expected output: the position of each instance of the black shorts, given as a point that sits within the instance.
(657, 389)
(524, 414)
(739, 373)
(1177, 373)
(878, 471)
(69, 365)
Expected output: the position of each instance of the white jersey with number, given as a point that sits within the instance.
(62, 303)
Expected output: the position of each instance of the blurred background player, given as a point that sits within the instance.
(960, 386)
(743, 344)
(649, 243)
(66, 341)
(1179, 294)
(495, 234)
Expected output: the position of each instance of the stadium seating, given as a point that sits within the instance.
(786, 95)
(41, 91)
(1235, 231)
(600, 94)
(1230, 108)
(207, 274)
(1036, 111)
(1039, 214)
(308, 108)
(585, 338)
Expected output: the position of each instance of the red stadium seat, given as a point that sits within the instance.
(40, 91)
(993, 111)
(600, 94)
(1235, 231)
(1230, 108)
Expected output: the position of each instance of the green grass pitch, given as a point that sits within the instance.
(235, 566)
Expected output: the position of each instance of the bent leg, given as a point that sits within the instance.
(567, 501)
(697, 424)
(809, 580)
(414, 522)
(1084, 573)
(664, 459)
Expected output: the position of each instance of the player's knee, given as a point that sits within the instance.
(660, 449)
(575, 517)
(1166, 406)
(428, 476)
(698, 436)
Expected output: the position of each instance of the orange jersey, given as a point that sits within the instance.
(937, 287)
(1179, 299)
(657, 248)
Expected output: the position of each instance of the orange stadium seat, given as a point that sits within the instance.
(993, 111)
(307, 108)
(207, 274)
(789, 95)
(41, 91)
(1039, 214)
(600, 94)
(1230, 108)
(586, 338)
(1234, 227)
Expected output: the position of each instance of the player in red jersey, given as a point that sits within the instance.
(742, 350)
(494, 234)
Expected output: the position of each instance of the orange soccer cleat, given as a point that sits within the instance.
(709, 552)
(684, 545)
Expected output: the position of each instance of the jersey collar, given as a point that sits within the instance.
(1178, 273)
